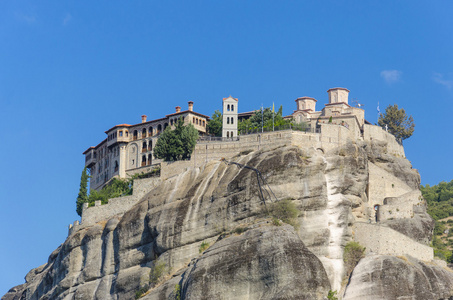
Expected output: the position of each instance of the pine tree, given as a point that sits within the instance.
(83, 191)
(397, 121)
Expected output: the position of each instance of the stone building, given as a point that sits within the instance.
(128, 149)
(337, 111)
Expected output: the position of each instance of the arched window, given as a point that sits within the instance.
(228, 120)
(150, 158)
(143, 160)
(228, 134)
(116, 166)
(159, 128)
(165, 125)
(171, 122)
(204, 124)
(232, 120)
(150, 145)
(135, 134)
(232, 107)
(196, 120)
(228, 107)
(144, 147)
(193, 120)
(231, 133)
(143, 132)
(150, 131)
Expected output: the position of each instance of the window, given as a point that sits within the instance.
(143, 160)
(228, 107)
(228, 120)
(144, 133)
(196, 121)
(204, 123)
(149, 159)
(159, 128)
(193, 120)
(135, 134)
(150, 145)
(171, 122)
(150, 131)
(127, 133)
(232, 120)
(232, 107)
(121, 133)
(228, 134)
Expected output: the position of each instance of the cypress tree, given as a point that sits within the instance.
(82, 197)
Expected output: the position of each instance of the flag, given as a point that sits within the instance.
(273, 108)
(378, 110)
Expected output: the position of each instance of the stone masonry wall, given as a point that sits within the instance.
(91, 215)
(371, 132)
(385, 241)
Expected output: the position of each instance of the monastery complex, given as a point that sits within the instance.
(128, 149)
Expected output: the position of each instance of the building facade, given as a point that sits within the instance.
(128, 149)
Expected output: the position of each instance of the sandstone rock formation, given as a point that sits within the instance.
(113, 258)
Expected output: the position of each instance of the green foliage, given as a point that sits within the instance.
(353, 253)
(115, 188)
(141, 292)
(439, 199)
(254, 122)
(82, 197)
(177, 144)
(204, 245)
(177, 292)
(286, 211)
(215, 124)
(399, 124)
(157, 272)
(332, 295)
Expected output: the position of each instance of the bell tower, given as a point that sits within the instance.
(230, 117)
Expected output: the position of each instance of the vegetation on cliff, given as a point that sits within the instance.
(397, 122)
(82, 197)
(177, 144)
(439, 199)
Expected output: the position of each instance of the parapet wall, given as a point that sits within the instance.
(115, 206)
(401, 207)
(383, 240)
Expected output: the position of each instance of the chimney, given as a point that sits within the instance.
(178, 109)
(143, 118)
(190, 105)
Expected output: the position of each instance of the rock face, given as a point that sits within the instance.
(389, 277)
(113, 259)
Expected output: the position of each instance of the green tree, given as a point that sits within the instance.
(397, 121)
(176, 144)
(263, 116)
(82, 197)
(215, 124)
(353, 253)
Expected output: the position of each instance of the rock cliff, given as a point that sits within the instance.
(219, 207)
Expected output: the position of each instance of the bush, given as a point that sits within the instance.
(115, 188)
(157, 272)
(332, 295)
(353, 253)
(204, 245)
(286, 211)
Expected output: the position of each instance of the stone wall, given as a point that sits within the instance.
(383, 240)
(373, 132)
(115, 206)
(382, 184)
(401, 207)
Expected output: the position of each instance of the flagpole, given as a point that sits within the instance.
(262, 118)
(378, 112)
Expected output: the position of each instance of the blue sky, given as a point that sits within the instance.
(69, 70)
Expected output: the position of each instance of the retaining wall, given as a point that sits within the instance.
(385, 241)
(373, 132)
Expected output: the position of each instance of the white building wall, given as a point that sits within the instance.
(230, 117)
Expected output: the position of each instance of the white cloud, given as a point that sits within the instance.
(25, 18)
(67, 19)
(391, 76)
(439, 78)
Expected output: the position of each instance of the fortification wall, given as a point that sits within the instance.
(401, 207)
(115, 206)
(385, 241)
(373, 132)
(382, 184)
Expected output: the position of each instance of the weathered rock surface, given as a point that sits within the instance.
(389, 277)
(113, 258)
